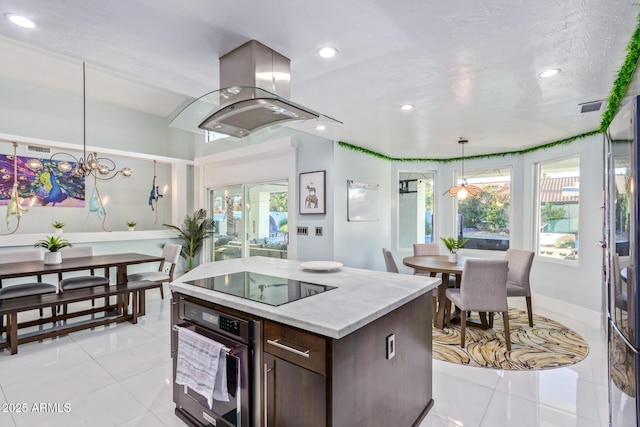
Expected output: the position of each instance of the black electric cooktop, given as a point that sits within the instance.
(263, 288)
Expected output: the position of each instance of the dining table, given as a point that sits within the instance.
(38, 268)
(438, 264)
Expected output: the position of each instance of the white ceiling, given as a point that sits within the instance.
(469, 66)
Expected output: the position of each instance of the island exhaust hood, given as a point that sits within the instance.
(256, 83)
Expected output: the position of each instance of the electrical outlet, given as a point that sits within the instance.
(318, 231)
(391, 346)
(303, 231)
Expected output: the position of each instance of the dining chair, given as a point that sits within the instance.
(84, 281)
(28, 288)
(518, 284)
(389, 261)
(171, 255)
(483, 289)
(428, 249)
(423, 249)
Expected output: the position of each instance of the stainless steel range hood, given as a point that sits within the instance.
(256, 84)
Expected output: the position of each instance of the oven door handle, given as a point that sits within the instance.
(287, 348)
(225, 349)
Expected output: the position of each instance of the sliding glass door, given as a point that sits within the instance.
(266, 213)
(227, 207)
(251, 220)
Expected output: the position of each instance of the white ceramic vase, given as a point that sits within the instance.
(132, 228)
(453, 257)
(52, 257)
(57, 231)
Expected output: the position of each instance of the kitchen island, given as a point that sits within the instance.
(368, 344)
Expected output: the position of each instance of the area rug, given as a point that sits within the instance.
(548, 344)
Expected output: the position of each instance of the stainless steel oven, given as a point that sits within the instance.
(240, 338)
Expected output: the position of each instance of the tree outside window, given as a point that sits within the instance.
(484, 219)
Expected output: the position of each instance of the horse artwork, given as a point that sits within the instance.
(312, 198)
(312, 192)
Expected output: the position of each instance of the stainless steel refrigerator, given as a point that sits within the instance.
(622, 210)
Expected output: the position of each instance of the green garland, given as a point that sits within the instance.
(478, 156)
(625, 74)
(620, 86)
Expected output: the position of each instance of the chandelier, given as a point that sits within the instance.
(89, 164)
(465, 189)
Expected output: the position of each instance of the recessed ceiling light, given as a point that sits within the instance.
(320, 127)
(20, 21)
(549, 73)
(407, 107)
(327, 52)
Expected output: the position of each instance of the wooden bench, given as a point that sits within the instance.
(113, 313)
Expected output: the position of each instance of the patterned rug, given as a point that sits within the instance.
(548, 344)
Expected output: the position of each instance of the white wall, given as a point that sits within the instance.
(575, 283)
(359, 244)
(316, 154)
(40, 112)
(41, 115)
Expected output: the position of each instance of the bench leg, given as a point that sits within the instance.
(12, 332)
(142, 307)
(134, 306)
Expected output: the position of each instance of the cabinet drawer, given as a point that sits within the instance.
(296, 346)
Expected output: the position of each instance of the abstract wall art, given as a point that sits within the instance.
(47, 187)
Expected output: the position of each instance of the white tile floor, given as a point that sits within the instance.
(121, 376)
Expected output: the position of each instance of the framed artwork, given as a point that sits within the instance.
(47, 187)
(312, 193)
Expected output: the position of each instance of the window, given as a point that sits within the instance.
(558, 208)
(484, 219)
(415, 210)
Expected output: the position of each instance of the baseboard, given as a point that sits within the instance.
(590, 317)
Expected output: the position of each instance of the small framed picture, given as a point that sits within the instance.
(312, 193)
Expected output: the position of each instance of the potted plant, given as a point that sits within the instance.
(58, 226)
(195, 230)
(132, 225)
(53, 244)
(453, 245)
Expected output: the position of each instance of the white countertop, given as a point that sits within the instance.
(361, 297)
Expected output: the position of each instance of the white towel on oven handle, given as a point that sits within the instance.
(198, 364)
(220, 390)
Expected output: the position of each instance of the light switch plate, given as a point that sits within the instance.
(391, 346)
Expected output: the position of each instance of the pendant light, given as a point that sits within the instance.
(101, 168)
(463, 190)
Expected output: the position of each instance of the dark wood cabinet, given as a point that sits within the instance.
(295, 396)
(295, 372)
(313, 380)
